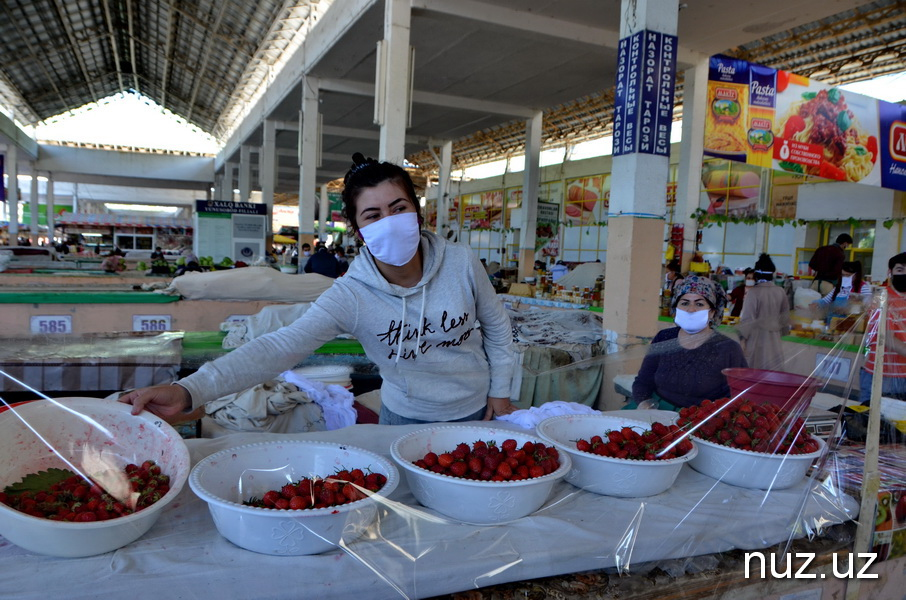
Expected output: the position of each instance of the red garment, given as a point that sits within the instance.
(827, 262)
(894, 363)
(737, 296)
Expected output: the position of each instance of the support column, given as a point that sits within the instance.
(637, 215)
(267, 170)
(443, 188)
(11, 165)
(689, 171)
(323, 214)
(245, 173)
(33, 206)
(227, 185)
(530, 185)
(392, 88)
(308, 157)
(49, 206)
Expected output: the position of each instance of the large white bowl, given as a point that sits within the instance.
(228, 478)
(754, 470)
(94, 435)
(467, 500)
(606, 475)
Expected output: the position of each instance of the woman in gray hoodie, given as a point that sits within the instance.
(422, 308)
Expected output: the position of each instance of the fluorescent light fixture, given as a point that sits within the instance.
(170, 210)
(93, 234)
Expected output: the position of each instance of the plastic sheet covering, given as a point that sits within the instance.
(91, 361)
(408, 550)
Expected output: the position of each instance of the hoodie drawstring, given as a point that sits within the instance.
(421, 319)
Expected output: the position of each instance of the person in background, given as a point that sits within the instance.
(674, 275)
(738, 295)
(322, 262)
(684, 363)
(827, 263)
(851, 292)
(158, 253)
(421, 306)
(342, 263)
(765, 318)
(558, 270)
(894, 361)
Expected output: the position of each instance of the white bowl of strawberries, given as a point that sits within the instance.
(479, 475)
(615, 456)
(293, 497)
(750, 445)
(83, 476)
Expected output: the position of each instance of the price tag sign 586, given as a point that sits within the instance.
(151, 322)
(51, 324)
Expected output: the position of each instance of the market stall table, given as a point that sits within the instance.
(412, 552)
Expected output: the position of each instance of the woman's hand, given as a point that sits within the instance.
(169, 402)
(498, 407)
(647, 404)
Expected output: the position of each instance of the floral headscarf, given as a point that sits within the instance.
(706, 288)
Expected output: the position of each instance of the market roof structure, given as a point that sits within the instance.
(480, 65)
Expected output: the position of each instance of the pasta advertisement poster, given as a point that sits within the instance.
(776, 119)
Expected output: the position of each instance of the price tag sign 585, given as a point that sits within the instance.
(51, 324)
(151, 322)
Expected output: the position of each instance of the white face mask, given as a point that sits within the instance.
(306, 253)
(750, 282)
(393, 240)
(692, 322)
(847, 281)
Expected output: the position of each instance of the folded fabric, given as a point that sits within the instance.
(275, 407)
(335, 400)
(529, 418)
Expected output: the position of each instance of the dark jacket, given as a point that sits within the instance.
(323, 263)
(827, 262)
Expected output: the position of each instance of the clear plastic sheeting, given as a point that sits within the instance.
(408, 550)
(91, 361)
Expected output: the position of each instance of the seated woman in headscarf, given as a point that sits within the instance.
(684, 363)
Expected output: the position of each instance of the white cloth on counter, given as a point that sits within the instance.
(269, 318)
(289, 404)
(335, 400)
(530, 417)
(274, 406)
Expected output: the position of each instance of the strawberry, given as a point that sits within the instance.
(459, 468)
(509, 444)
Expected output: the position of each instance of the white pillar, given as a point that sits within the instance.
(229, 174)
(245, 173)
(308, 147)
(267, 169)
(33, 206)
(643, 114)
(530, 185)
(323, 214)
(12, 197)
(689, 171)
(392, 87)
(443, 187)
(49, 206)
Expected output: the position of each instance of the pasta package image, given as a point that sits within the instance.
(827, 132)
(725, 120)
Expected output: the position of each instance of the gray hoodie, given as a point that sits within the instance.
(436, 363)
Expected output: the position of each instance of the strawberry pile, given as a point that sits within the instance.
(485, 461)
(745, 425)
(321, 492)
(656, 443)
(71, 498)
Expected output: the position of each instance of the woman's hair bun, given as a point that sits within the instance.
(358, 158)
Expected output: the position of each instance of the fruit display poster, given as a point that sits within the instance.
(777, 119)
(587, 199)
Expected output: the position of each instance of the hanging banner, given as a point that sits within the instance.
(787, 122)
(2, 187)
(643, 100)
